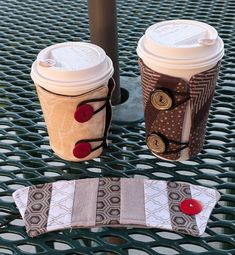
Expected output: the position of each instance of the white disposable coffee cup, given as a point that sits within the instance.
(72, 68)
(67, 75)
(181, 48)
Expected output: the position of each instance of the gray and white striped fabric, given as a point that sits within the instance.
(113, 202)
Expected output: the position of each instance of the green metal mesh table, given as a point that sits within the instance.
(27, 26)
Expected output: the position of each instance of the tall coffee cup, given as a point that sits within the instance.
(179, 64)
(74, 85)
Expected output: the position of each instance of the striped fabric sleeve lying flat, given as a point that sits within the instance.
(116, 202)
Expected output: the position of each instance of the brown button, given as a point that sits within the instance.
(161, 100)
(156, 143)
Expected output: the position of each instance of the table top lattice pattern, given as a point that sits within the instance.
(25, 157)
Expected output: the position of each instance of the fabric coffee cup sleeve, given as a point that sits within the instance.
(77, 125)
(116, 202)
(167, 100)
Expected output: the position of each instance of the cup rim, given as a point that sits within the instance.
(179, 63)
(57, 86)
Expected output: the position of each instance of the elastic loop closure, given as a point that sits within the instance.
(83, 147)
(158, 143)
(93, 100)
(106, 99)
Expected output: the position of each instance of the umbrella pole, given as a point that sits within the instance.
(103, 30)
(127, 101)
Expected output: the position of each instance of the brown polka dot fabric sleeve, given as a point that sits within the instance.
(165, 103)
(167, 123)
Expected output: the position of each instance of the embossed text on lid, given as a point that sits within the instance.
(180, 44)
(74, 57)
(181, 33)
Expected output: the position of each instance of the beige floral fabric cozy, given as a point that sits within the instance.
(77, 125)
(116, 202)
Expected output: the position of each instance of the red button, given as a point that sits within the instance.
(190, 206)
(83, 113)
(82, 150)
